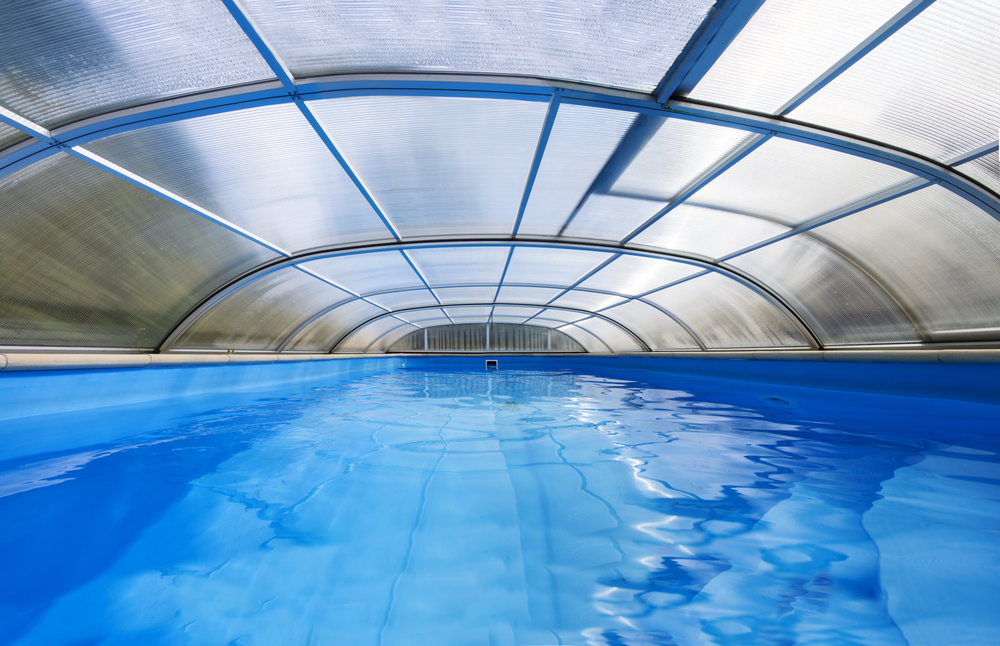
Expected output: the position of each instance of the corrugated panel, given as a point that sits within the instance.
(985, 170)
(725, 314)
(938, 253)
(90, 260)
(439, 165)
(262, 168)
(325, 331)
(627, 45)
(262, 315)
(840, 302)
(785, 46)
(64, 61)
(582, 139)
(930, 88)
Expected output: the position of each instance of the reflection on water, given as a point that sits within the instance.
(509, 508)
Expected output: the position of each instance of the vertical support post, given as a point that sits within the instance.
(548, 334)
(425, 339)
(487, 336)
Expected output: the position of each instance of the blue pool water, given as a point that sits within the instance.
(511, 507)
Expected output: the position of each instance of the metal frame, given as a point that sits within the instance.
(588, 314)
(747, 281)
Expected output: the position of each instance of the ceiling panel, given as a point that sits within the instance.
(930, 88)
(627, 45)
(64, 61)
(466, 294)
(634, 275)
(985, 170)
(322, 333)
(90, 260)
(610, 217)
(360, 339)
(611, 334)
(366, 273)
(438, 165)
(706, 231)
(264, 169)
(659, 331)
(785, 46)
(534, 295)
(458, 265)
(262, 314)
(585, 338)
(551, 266)
(582, 139)
(403, 300)
(589, 301)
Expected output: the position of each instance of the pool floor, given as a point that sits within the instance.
(509, 507)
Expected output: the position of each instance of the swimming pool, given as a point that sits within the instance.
(548, 506)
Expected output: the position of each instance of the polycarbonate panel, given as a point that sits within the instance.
(791, 182)
(705, 231)
(627, 45)
(839, 301)
(589, 301)
(366, 273)
(411, 342)
(421, 316)
(439, 165)
(363, 337)
(985, 170)
(462, 320)
(518, 338)
(725, 314)
(786, 46)
(676, 155)
(610, 334)
(560, 315)
(534, 295)
(466, 294)
(609, 217)
(441, 319)
(387, 340)
(261, 315)
(89, 260)
(581, 141)
(659, 331)
(322, 333)
(469, 337)
(456, 312)
(262, 168)
(513, 320)
(930, 88)
(458, 265)
(402, 300)
(66, 60)
(551, 266)
(524, 312)
(938, 253)
(586, 339)
(634, 275)
(10, 136)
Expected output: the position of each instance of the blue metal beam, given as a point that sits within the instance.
(536, 162)
(720, 28)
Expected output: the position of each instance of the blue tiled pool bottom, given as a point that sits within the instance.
(534, 508)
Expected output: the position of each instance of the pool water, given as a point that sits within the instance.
(515, 507)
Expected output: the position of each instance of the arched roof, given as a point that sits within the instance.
(329, 176)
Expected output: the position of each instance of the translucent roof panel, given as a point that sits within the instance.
(328, 329)
(482, 294)
(263, 314)
(401, 300)
(677, 154)
(930, 88)
(581, 141)
(785, 46)
(589, 301)
(560, 315)
(439, 165)
(457, 265)
(609, 333)
(585, 338)
(90, 260)
(634, 275)
(627, 45)
(516, 312)
(264, 169)
(360, 339)
(466, 312)
(10, 136)
(535, 295)
(985, 170)
(725, 314)
(792, 182)
(551, 266)
(659, 331)
(421, 316)
(64, 61)
(840, 301)
(611, 217)
(367, 272)
(706, 231)
(388, 339)
(938, 254)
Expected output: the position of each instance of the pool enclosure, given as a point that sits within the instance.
(336, 177)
